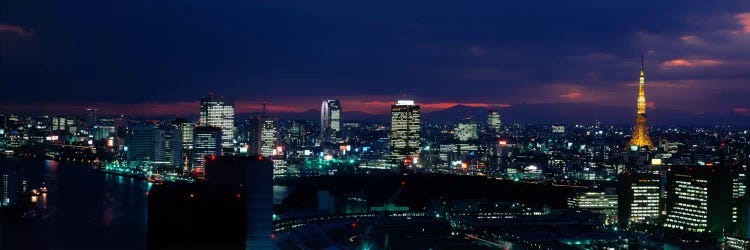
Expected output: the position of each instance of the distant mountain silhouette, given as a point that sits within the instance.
(561, 113)
(314, 114)
(580, 113)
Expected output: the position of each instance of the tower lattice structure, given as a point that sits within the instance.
(640, 132)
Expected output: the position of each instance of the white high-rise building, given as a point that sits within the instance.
(216, 112)
(186, 129)
(330, 119)
(269, 132)
(405, 122)
(493, 121)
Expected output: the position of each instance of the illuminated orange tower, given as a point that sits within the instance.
(640, 132)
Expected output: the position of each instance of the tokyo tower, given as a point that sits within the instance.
(640, 132)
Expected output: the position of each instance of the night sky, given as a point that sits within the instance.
(150, 57)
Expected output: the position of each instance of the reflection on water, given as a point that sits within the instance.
(280, 192)
(85, 209)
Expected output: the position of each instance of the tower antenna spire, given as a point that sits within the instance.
(641, 59)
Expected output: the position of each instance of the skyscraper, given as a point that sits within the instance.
(699, 199)
(186, 129)
(639, 197)
(5, 200)
(255, 126)
(90, 118)
(297, 134)
(405, 131)
(640, 132)
(196, 216)
(206, 143)
(173, 145)
(269, 133)
(330, 120)
(493, 121)
(255, 176)
(218, 112)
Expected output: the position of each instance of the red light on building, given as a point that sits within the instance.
(354, 225)
(239, 196)
(403, 183)
(213, 157)
(273, 236)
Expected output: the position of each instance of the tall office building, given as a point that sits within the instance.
(405, 130)
(739, 197)
(146, 143)
(255, 175)
(269, 133)
(5, 200)
(639, 197)
(297, 134)
(90, 117)
(699, 199)
(640, 132)
(206, 143)
(254, 129)
(493, 121)
(186, 129)
(330, 120)
(196, 216)
(218, 112)
(173, 145)
(121, 126)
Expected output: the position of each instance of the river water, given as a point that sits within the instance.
(86, 208)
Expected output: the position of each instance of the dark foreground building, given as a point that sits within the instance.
(230, 209)
(196, 216)
(698, 201)
(255, 175)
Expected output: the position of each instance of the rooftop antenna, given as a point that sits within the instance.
(264, 108)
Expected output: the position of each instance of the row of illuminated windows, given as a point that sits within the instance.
(687, 221)
(680, 204)
(689, 211)
(685, 217)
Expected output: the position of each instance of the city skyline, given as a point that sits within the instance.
(504, 58)
(387, 125)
